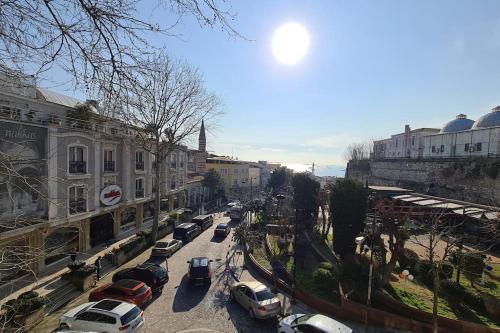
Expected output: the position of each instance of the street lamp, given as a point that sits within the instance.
(359, 241)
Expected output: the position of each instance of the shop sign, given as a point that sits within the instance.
(111, 195)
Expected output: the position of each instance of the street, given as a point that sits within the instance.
(185, 308)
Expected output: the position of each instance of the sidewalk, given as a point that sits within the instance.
(48, 282)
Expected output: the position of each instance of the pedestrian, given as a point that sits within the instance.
(73, 254)
(97, 265)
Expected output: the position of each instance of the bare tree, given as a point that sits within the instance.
(95, 42)
(358, 151)
(441, 238)
(166, 103)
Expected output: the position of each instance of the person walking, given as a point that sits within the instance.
(98, 267)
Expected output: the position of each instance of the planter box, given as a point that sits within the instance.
(84, 283)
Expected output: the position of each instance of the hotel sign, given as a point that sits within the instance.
(111, 195)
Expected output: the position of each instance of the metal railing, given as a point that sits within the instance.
(77, 206)
(109, 166)
(139, 193)
(77, 167)
(139, 165)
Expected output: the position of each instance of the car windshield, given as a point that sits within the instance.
(162, 244)
(264, 294)
(200, 262)
(222, 226)
(301, 319)
(131, 315)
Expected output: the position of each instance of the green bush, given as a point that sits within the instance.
(84, 272)
(408, 260)
(75, 265)
(446, 271)
(24, 304)
(323, 277)
(326, 265)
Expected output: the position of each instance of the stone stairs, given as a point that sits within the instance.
(64, 291)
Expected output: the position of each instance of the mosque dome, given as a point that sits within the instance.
(491, 119)
(460, 123)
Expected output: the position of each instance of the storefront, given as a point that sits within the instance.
(60, 243)
(101, 229)
(129, 219)
(148, 211)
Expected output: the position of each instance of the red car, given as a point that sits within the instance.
(126, 290)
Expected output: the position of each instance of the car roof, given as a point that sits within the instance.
(327, 324)
(186, 225)
(150, 266)
(127, 284)
(112, 306)
(201, 217)
(221, 225)
(199, 261)
(254, 285)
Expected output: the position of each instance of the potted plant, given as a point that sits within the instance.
(84, 278)
(26, 310)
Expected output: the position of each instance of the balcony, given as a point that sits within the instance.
(77, 206)
(139, 193)
(139, 165)
(77, 167)
(109, 166)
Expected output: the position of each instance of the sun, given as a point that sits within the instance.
(290, 43)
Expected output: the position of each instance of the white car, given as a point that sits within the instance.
(166, 248)
(104, 316)
(317, 323)
(257, 299)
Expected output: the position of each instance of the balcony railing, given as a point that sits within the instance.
(139, 165)
(77, 206)
(109, 166)
(139, 193)
(77, 167)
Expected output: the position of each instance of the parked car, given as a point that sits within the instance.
(203, 221)
(222, 229)
(311, 323)
(186, 232)
(151, 274)
(199, 271)
(132, 291)
(256, 298)
(166, 248)
(104, 316)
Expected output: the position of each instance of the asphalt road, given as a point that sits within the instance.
(184, 308)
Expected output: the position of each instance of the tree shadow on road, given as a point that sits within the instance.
(188, 296)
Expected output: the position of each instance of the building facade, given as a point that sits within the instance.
(73, 182)
(459, 138)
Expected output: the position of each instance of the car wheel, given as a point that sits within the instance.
(251, 313)
(64, 326)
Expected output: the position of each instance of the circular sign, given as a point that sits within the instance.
(111, 195)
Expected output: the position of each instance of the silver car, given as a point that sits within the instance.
(257, 299)
(166, 248)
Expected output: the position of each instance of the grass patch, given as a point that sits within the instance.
(259, 253)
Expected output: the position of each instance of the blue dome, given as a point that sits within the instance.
(490, 119)
(461, 123)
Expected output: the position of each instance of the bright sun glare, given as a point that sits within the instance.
(290, 43)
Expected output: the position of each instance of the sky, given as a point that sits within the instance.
(372, 67)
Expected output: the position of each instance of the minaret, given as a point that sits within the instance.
(202, 140)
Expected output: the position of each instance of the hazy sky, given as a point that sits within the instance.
(372, 67)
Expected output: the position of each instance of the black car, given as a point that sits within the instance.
(152, 274)
(199, 271)
(222, 230)
(203, 221)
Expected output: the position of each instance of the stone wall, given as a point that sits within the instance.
(474, 180)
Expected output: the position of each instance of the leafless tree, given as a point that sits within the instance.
(358, 151)
(442, 235)
(166, 103)
(95, 42)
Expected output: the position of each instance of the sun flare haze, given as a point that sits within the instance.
(290, 43)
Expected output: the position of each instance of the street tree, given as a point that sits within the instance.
(348, 204)
(166, 104)
(214, 183)
(358, 151)
(279, 180)
(305, 197)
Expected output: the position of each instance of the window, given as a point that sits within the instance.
(128, 216)
(442, 148)
(139, 188)
(249, 294)
(153, 162)
(139, 160)
(77, 163)
(77, 199)
(412, 140)
(466, 148)
(109, 161)
(87, 316)
(105, 319)
(479, 146)
(181, 160)
(173, 160)
(433, 149)
(172, 183)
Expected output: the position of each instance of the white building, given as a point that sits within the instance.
(459, 138)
